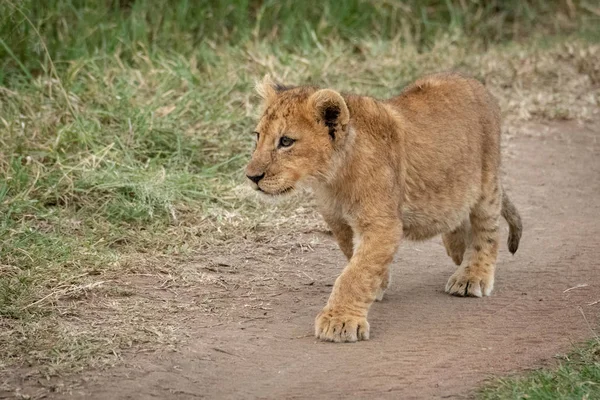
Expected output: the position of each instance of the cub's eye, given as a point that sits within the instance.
(256, 135)
(286, 141)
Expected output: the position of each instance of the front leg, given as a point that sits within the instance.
(342, 232)
(344, 318)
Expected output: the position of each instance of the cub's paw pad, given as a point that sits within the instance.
(465, 284)
(335, 327)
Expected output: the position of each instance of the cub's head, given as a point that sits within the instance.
(297, 136)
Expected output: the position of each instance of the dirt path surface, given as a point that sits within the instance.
(254, 338)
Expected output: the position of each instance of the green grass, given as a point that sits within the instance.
(73, 29)
(125, 125)
(577, 376)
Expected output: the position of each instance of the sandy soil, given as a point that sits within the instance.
(252, 337)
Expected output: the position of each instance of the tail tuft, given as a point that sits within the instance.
(515, 226)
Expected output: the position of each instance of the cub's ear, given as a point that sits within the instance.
(267, 88)
(330, 110)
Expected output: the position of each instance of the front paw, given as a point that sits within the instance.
(336, 326)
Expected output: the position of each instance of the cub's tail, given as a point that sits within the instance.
(515, 226)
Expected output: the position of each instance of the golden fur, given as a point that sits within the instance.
(424, 163)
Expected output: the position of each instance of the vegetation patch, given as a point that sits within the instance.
(577, 376)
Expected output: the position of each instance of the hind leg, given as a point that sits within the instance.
(456, 242)
(476, 278)
(385, 283)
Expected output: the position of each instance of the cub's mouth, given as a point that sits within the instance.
(282, 192)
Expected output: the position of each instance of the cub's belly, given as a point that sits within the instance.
(430, 209)
(419, 224)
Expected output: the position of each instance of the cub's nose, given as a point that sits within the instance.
(256, 178)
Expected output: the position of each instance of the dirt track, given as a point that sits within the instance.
(424, 343)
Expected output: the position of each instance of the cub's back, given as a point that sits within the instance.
(447, 99)
(451, 129)
(453, 117)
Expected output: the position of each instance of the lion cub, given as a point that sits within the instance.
(424, 163)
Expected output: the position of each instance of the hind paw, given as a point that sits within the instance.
(467, 283)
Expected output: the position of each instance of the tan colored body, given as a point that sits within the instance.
(421, 164)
